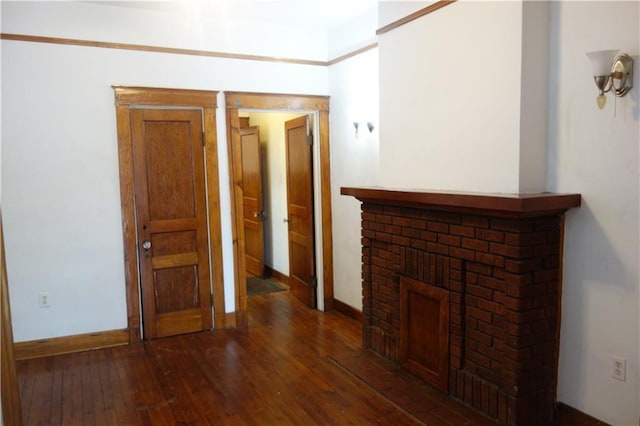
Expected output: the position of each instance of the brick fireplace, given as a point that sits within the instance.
(464, 291)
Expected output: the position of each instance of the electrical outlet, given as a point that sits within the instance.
(43, 300)
(618, 368)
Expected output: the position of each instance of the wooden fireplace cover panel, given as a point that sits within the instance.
(424, 331)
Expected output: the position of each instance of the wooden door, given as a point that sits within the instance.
(302, 279)
(11, 406)
(252, 200)
(171, 220)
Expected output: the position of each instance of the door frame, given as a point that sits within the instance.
(277, 102)
(129, 97)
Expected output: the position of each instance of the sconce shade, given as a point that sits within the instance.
(601, 61)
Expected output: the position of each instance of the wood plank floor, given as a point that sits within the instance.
(290, 366)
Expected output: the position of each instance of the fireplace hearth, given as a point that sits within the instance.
(464, 291)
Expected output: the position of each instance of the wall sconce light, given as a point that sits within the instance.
(370, 126)
(356, 125)
(611, 71)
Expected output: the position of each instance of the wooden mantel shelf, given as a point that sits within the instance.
(503, 204)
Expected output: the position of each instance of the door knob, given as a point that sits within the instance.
(146, 245)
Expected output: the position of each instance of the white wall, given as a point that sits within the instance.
(354, 90)
(354, 162)
(184, 28)
(60, 189)
(357, 32)
(391, 11)
(433, 97)
(451, 99)
(534, 97)
(596, 153)
(274, 171)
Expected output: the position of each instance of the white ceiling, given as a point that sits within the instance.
(315, 13)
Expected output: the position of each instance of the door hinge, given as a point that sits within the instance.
(314, 282)
(204, 139)
(211, 299)
(310, 139)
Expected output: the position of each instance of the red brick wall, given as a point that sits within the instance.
(503, 277)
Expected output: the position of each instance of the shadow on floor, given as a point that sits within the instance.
(257, 286)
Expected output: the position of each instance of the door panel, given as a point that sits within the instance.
(252, 200)
(300, 210)
(169, 183)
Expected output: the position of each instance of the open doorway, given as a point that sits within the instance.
(278, 202)
(266, 220)
(243, 104)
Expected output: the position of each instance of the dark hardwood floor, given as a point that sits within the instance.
(290, 366)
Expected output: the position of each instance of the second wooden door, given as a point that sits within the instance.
(302, 276)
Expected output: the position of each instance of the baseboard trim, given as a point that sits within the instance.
(348, 310)
(69, 344)
(570, 416)
(276, 275)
